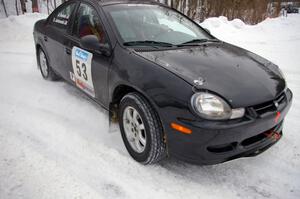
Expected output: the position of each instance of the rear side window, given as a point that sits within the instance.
(87, 22)
(62, 18)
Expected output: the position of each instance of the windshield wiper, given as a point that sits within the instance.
(148, 43)
(198, 41)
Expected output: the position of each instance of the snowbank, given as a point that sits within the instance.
(55, 143)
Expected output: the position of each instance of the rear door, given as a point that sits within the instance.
(57, 31)
(88, 69)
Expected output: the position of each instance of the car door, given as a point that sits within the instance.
(88, 69)
(57, 36)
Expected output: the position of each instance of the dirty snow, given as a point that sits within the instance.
(56, 143)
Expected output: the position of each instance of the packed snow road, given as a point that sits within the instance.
(56, 143)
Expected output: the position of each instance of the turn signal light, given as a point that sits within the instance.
(181, 129)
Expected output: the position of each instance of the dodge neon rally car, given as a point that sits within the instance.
(175, 89)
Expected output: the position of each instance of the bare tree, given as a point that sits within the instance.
(51, 5)
(4, 7)
(23, 6)
(48, 9)
(35, 6)
(250, 11)
(16, 5)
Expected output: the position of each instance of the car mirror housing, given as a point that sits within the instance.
(91, 43)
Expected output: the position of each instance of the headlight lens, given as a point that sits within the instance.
(210, 106)
(281, 73)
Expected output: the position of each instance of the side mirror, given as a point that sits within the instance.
(91, 43)
(207, 30)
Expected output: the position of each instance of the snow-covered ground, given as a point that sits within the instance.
(55, 143)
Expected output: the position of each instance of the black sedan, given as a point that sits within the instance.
(175, 89)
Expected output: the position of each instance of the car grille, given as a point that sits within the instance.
(270, 106)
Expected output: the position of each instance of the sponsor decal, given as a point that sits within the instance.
(82, 70)
(72, 77)
(81, 54)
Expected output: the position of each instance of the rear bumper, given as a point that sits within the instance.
(213, 142)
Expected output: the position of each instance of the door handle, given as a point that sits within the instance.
(68, 51)
(45, 38)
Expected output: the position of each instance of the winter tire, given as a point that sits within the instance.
(141, 129)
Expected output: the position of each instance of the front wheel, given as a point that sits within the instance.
(141, 129)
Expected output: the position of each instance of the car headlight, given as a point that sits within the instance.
(281, 73)
(212, 107)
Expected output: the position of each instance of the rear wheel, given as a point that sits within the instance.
(44, 67)
(141, 129)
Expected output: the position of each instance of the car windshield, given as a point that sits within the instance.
(143, 24)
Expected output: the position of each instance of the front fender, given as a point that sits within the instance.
(169, 94)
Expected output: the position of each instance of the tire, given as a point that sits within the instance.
(44, 67)
(150, 147)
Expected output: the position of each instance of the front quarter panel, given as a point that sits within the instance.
(169, 94)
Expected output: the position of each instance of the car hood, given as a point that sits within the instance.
(241, 77)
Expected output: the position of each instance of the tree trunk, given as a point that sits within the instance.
(16, 4)
(35, 7)
(5, 11)
(48, 7)
(23, 6)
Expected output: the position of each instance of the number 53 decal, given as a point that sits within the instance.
(82, 70)
(81, 67)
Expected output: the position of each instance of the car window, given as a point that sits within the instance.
(87, 22)
(61, 19)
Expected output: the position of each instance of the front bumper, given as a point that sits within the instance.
(213, 142)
